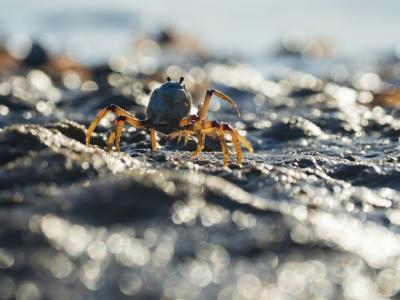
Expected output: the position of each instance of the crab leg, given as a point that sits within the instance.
(186, 135)
(223, 145)
(245, 142)
(200, 145)
(120, 126)
(110, 141)
(216, 129)
(237, 139)
(119, 112)
(204, 108)
(188, 120)
(116, 133)
(236, 146)
(94, 124)
(153, 140)
(181, 133)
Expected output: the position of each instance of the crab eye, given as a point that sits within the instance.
(169, 78)
(181, 80)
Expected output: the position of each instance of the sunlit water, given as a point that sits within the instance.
(93, 30)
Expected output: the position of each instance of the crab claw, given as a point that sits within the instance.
(204, 107)
(226, 99)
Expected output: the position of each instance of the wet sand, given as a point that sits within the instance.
(312, 214)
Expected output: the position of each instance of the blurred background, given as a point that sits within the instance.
(92, 30)
(313, 213)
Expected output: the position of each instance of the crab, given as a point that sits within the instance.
(168, 112)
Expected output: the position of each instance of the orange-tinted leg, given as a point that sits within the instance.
(204, 108)
(223, 145)
(214, 128)
(245, 142)
(181, 133)
(153, 140)
(237, 139)
(236, 146)
(215, 131)
(110, 141)
(132, 120)
(200, 144)
(120, 126)
(115, 134)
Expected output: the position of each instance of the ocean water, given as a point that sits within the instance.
(92, 30)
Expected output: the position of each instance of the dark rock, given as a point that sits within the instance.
(37, 56)
(292, 129)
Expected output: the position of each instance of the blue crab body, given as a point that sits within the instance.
(169, 104)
